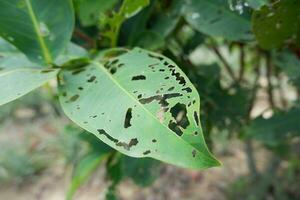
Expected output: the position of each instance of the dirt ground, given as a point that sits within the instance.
(173, 183)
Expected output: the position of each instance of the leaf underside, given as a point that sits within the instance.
(15, 83)
(150, 109)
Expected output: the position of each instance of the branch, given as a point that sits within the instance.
(242, 63)
(269, 79)
(90, 42)
(225, 63)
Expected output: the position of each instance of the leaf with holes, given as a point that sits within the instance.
(39, 28)
(150, 109)
(214, 18)
(15, 83)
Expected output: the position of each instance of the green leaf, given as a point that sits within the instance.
(256, 4)
(277, 129)
(39, 28)
(89, 10)
(290, 65)
(131, 7)
(83, 171)
(277, 24)
(10, 57)
(214, 18)
(142, 171)
(168, 19)
(15, 83)
(149, 40)
(159, 113)
(128, 9)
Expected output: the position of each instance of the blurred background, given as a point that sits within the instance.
(249, 85)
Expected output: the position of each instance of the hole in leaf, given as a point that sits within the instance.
(128, 117)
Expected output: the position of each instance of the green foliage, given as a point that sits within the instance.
(84, 169)
(11, 90)
(215, 18)
(277, 24)
(32, 28)
(128, 78)
(89, 11)
(276, 129)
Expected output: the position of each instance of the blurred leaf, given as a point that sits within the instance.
(114, 169)
(111, 24)
(166, 21)
(256, 4)
(89, 10)
(111, 194)
(138, 80)
(15, 83)
(83, 171)
(277, 129)
(227, 108)
(149, 40)
(142, 171)
(290, 65)
(10, 57)
(277, 24)
(38, 33)
(214, 18)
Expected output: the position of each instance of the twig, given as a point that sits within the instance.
(269, 79)
(225, 63)
(242, 63)
(90, 42)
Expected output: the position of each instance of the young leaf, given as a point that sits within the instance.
(39, 28)
(214, 18)
(159, 113)
(83, 170)
(15, 83)
(128, 9)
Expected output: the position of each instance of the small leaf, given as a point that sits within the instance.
(83, 171)
(277, 24)
(15, 83)
(89, 10)
(214, 18)
(39, 28)
(277, 129)
(159, 113)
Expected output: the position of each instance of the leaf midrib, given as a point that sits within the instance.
(210, 158)
(41, 41)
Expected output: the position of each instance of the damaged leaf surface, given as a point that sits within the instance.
(150, 109)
